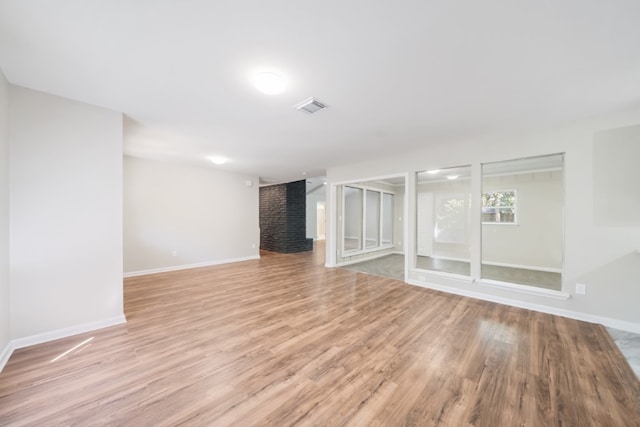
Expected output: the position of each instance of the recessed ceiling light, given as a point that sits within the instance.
(434, 172)
(269, 82)
(218, 160)
(452, 177)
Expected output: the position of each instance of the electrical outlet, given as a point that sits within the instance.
(253, 246)
(581, 289)
(174, 253)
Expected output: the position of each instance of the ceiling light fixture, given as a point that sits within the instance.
(218, 160)
(434, 172)
(269, 82)
(452, 177)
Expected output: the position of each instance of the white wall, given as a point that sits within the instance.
(66, 215)
(590, 249)
(312, 212)
(205, 215)
(4, 216)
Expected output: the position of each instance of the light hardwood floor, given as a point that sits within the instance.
(283, 341)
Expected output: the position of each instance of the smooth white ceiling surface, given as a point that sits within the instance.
(395, 75)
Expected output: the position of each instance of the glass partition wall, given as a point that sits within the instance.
(443, 220)
(521, 216)
(522, 221)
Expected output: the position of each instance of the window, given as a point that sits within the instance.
(353, 209)
(499, 207)
(368, 219)
(372, 221)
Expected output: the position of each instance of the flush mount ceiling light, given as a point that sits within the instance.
(269, 82)
(434, 172)
(311, 105)
(452, 177)
(218, 160)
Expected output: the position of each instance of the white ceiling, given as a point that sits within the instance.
(396, 75)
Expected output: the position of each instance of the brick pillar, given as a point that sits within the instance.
(283, 218)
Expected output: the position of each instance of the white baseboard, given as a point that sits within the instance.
(355, 261)
(502, 264)
(57, 334)
(5, 355)
(67, 332)
(524, 267)
(188, 266)
(447, 258)
(591, 318)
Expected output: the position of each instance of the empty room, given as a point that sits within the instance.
(255, 213)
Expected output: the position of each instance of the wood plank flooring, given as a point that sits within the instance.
(284, 341)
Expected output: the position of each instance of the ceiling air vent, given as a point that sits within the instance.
(311, 106)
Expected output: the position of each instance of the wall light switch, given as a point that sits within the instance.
(581, 289)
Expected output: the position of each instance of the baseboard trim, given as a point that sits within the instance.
(502, 264)
(5, 355)
(585, 317)
(355, 261)
(447, 258)
(67, 332)
(57, 334)
(524, 267)
(188, 266)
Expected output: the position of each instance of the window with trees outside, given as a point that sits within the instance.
(499, 207)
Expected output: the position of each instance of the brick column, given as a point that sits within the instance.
(283, 220)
